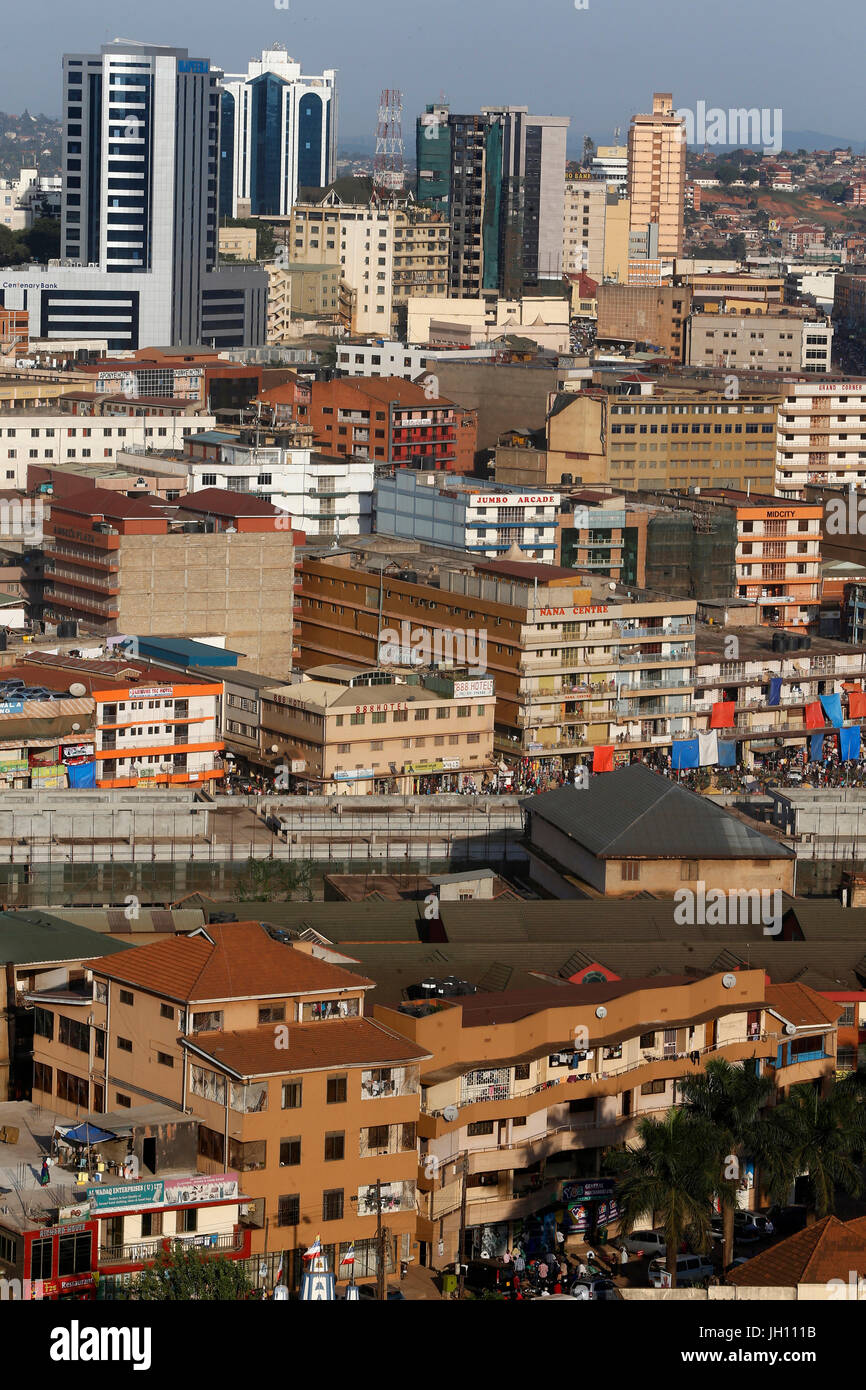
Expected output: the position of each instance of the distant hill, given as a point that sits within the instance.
(29, 141)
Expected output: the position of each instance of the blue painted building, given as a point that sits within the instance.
(464, 514)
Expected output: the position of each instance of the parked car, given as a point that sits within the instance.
(691, 1269)
(596, 1290)
(787, 1220)
(494, 1275)
(752, 1221)
(646, 1242)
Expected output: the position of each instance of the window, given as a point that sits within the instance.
(127, 997)
(166, 1011)
(647, 1040)
(275, 1013)
(654, 1088)
(290, 1152)
(332, 1204)
(164, 1059)
(292, 1093)
(336, 1090)
(187, 1219)
(521, 1071)
(43, 1023)
(151, 1223)
(121, 1100)
(629, 870)
(207, 1022)
(40, 1259)
(335, 1146)
(124, 1044)
(72, 1088)
(43, 1078)
(289, 1210)
(688, 870)
(479, 1127)
(73, 1254)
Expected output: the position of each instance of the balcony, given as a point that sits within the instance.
(660, 634)
(143, 1251)
(683, 657)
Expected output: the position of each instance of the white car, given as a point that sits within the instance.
(646, 1242)
(691, 1269)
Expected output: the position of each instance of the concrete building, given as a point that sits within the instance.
(382, 358)
(457, 322)
(140, 207)
(47, 437)
(321, 730)
(239, 243)
(498, 177)
(185, 374)
(117, 564)
(583, 225)
(464, 515)
(685, 431)
(278, 134)
(323, 495)
(637, 827)
(387, 249)
(792, 340)
(153, 725)
(385, 419)
(849, 298)
(654, 315)
(657, 172)
(29, 196)
(617, 223)
(610, 165)
(821, 435)
(203, 1010)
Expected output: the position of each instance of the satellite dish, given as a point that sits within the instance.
(601, 1011)
(450, 1112)
(790, 1028)
(729, 981)
(77, 689)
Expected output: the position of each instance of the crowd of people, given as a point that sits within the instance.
(557, 1271)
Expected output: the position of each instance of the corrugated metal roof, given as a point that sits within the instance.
(638, 813)
(33, 937)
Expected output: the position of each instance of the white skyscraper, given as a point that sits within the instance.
(139, 210)
(278, 133)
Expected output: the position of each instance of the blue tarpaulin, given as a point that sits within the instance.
(82, 774)
(684, 754)
(849, 743)
(727, 754)
(775, 690)
(816, 748)
(88, 1134)
(832, 707)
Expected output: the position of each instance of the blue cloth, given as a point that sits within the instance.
(684, 754)
(88, 1134)
(832, 707)
(816, 748)
(849, 743)
(727, 754)
(775, 690)
(82, 774)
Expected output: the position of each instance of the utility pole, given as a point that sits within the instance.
(380, 1245)
(461, 1239)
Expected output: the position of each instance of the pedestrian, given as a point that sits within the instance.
(542, 1272)
(582, 1270)
(623, 1256)
(44, 1176)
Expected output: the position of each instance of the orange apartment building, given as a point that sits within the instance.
(383, 418)
(311, 1095)
(151, 726)
(298, 1090)
(778, 556)
(657, 173)
(14, 332)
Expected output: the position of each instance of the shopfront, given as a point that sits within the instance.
(60, 1261)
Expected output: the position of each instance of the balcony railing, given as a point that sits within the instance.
(139, 1252)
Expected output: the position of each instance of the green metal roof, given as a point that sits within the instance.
(33, 936)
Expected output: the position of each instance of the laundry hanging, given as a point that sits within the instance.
(684, 754)
(832, 707)
(708, 749)
(723, 714)
(602, 758)
(815, 716)
(775, 690)
(849, 743)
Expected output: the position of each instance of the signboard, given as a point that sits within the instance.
(298, 764)
(589, 1190)
(471, 689)
(221, 1187)
(355, 774)
(437, 766)
(168, 1192)
(530, 499)
(376, 709)
(11, 706)
(450, 764)
(150, 692)
(76, 750)
(78, 1212)
(560, 612)
(128, 1197)
(193, 65)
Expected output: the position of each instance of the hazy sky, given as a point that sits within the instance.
(597, 65)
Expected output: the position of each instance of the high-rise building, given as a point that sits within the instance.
(139, 252)
(278, 133)
(657, 173)
(583, 226)
(500, 179)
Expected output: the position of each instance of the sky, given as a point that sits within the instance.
(598, 65)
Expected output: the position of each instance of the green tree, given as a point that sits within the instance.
(184, 1275)
(671, 1173)
(731, 1100)
(43, 239)
(11, 250)
(275, 880)
(822, 1138)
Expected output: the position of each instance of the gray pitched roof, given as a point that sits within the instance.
(636, 813)
(34, 937)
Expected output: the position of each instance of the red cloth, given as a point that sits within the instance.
(815, 715)
(602, 758)
(723, 714)
(856, 704)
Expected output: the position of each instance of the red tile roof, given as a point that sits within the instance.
(828, 1250)
(339, 1042)
(801, 1005)
(221, 502)
(242, 962)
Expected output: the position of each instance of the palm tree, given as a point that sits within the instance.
(730, 1100)
(823, 1137)
(673, 1172)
